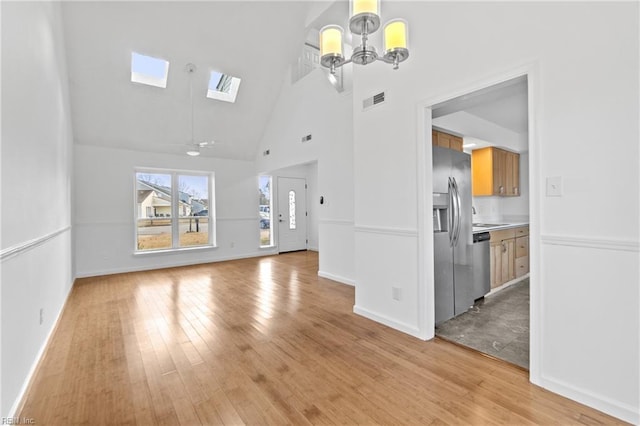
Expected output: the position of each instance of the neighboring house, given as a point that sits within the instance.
(155, 201)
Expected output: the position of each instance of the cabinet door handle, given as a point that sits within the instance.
(504, 247)
(515, 190)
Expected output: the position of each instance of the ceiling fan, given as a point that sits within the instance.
(193, 147)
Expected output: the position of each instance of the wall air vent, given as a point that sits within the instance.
(372, 101)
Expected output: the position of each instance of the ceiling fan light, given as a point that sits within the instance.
(193, 152)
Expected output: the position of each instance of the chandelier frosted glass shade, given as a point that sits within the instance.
(395, 42)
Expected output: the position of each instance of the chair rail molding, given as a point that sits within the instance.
(17, 249)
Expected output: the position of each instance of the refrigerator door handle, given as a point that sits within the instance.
(450, 215)
(458, 212)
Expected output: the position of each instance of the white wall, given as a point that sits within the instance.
(36, 189)
(585, 92)
(104, 210)
(313, 106)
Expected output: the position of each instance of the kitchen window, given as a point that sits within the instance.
(174, 210)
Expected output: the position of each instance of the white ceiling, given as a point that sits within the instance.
(493, 116)
(509, 112)
(503, 105)
(255, 41)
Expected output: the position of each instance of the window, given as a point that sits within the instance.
(223, 87)
(173, 210)
(264, 210)
(148, 70)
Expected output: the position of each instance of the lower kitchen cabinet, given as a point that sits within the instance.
(522, 256)
(509, 252)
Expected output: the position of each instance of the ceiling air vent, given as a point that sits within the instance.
(374, 100)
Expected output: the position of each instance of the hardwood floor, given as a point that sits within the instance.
(263, 341)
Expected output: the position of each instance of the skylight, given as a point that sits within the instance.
(148, 70)
(223, 87)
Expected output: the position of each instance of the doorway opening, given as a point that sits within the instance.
(481, 275)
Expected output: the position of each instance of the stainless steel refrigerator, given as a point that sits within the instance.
(453, 235)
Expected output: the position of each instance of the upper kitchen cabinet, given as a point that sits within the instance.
(446, 140)
(495, 171)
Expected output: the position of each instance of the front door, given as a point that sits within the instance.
(292, 214)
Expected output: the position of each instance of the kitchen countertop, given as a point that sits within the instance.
(498, 226)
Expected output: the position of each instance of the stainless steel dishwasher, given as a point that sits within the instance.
(481, 264)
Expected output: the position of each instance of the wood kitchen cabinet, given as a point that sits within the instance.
(495, 171)
(522, 251)
(502, 252)
(509, 253)
(446, 140)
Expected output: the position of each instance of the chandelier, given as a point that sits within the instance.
(364, 21)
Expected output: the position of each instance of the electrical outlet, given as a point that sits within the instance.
(396, 293)
(41, 315)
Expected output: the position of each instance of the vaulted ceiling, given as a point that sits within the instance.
(256, 41)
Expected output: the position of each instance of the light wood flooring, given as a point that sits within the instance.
(263, 341)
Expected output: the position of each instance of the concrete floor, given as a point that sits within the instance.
(497, 325)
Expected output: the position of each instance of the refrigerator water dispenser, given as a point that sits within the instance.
(440, 211)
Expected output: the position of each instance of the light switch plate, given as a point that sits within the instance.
(554, 186)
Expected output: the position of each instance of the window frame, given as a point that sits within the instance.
(272, 237)
(148, 79)
(175, 210)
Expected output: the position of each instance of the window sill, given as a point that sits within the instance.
(174, 250)
(271, 247)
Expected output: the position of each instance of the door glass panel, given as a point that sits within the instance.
(292, 210)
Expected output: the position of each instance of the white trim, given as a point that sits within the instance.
(174, 250)
(506, 285)
(400, 232)
(337, 278)
(599, 402)
(164, 265)
(313, 248)
(31, 244)
(593, 243)
(382, 319)
(17, 404)
(342, 222)
(426, 289)
(121, 223)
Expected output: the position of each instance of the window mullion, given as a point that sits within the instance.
(175, 211)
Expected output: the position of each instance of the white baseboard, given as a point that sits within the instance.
(613, 408)
(338, 278)
(111, 271)
(397, 325)
(313, 248)
(17, 404)
(506, 285)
